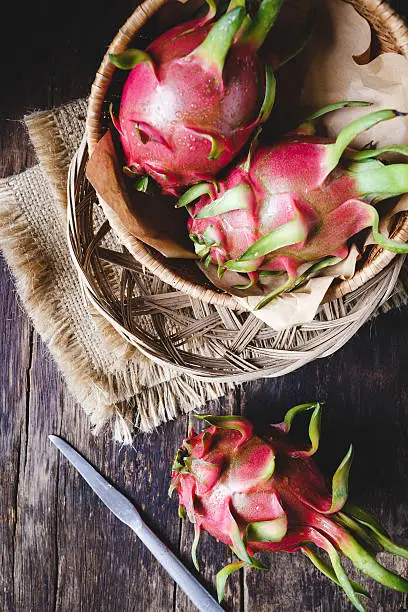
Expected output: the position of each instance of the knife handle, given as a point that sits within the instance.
(180, 574)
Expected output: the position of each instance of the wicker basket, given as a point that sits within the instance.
(207, 341)
(183, 275)
(173, 318)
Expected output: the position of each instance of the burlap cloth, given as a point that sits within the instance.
(115, 384)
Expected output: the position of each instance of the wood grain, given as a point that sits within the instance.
(60, 549)
(15, 356)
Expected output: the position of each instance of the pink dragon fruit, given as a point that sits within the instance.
(292, 207)
(194, 97)
(262, 493)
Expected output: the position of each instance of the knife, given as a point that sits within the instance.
(127, 513)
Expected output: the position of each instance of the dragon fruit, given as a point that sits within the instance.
(195, 96)
(262, 493)
(291, 208)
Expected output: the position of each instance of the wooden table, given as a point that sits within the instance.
(60, 548)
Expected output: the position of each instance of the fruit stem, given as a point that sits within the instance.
(360, 557)
(359, 531)
(214, 49)
(381, 182)
(366, 563)
(377, 532)
(262, 23)
(322, 541)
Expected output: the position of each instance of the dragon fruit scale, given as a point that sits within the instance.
(290, 208)
(263, 493)
(194, 97)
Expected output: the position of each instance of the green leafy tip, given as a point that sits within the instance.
(270, 94)
(217, 147)
(290, 233)
(229, 422)
(222, 576)
(293, 412)
(340, 482)
(370, 153)
(194, 193)
(182, 512)
(197, 531)
(142, 184)
(238, 544)
(294, 282)
(376, 181)
(333, 107)
(329, 572)
(314, 426)
(179, 458)
(250, 284)
(130, 58)
(236, 198)
(376, 530)
(342, 577)
(267, 531)
(349, 133)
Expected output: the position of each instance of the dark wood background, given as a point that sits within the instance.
(60, 549)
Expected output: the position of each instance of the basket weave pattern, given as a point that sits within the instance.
(208, 341)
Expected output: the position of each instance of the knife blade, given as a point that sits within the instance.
(126, 512)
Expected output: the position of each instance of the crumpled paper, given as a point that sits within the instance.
(333, 74)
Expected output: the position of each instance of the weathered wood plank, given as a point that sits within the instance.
(101, 563)
(35, 534)
(15, 362)
(16, 343)
(366, 393)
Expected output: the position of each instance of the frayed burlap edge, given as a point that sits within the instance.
(130, 411)
(51, 152)
(33, 280)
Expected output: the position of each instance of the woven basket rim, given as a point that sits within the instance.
(391, 21)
